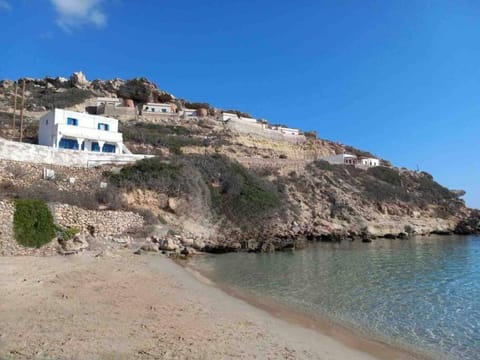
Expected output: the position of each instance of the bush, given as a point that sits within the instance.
(51, 99)
(152, 173)
(33, 223)
(323, 165)
(66, 234)
(231, 189)
(388, 175)
(171, 137)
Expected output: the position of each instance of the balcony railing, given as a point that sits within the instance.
(88, 133)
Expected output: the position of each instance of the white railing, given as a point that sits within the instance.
(88, 133)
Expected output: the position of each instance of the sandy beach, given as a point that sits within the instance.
(140, 307)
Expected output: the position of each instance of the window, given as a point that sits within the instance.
(46, 122)
(164, 110)
(68, 144)
(108, 148)
(102, 126)
(72, 121)
(95, 146)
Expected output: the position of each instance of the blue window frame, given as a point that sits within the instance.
(102, 126)
(68, 144)
(108, 148)
(72, 121)
(95, 146)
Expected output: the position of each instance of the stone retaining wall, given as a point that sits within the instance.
(16, 151)
(259, 130)
(105, 223)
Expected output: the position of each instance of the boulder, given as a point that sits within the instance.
(198, 244)
(73, 246)
(300, 242)
(79, 80)
(267, 247)
(158, 232)
(149, 247)
(250, 245)
(169, 244)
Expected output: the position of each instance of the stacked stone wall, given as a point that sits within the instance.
(104, 223)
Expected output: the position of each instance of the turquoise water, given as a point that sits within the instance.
(422, 293)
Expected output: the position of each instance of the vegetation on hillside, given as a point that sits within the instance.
(51, 99)
(157, 135)
(33, 223)
(227, 187)
(382, 184)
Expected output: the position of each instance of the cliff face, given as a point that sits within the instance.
(234, 190)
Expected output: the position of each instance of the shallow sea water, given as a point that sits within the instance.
(422, 293)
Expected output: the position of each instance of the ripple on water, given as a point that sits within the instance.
(422, 293)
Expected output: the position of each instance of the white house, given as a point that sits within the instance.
(229, 116)
(369, 162)
(64, 129)
(289, 131)
(189, 112)
(338, 159)
(158, 108)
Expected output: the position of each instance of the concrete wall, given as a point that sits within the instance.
(12, 150)
(339, 159)
(260, 130)
(118, 112)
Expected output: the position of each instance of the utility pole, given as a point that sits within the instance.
(21, 111)
(15, 105)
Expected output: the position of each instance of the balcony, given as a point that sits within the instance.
(65, 130)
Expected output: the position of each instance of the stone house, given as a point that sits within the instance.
(159, 108)
(64, 129)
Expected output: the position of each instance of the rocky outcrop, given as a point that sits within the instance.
(470, 225)
(73, 246)
(79, 80)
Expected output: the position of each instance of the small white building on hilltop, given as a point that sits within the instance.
(347, 159)
(229, 116)
(369, 162)
(64, 129)
(159, 108)
(288, 131)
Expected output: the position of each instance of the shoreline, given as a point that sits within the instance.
(348, 336)
(127, 306)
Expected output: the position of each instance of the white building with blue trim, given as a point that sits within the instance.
(64, 129)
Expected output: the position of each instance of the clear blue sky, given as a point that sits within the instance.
(398, 78)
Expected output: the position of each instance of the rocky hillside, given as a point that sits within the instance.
(232, 190)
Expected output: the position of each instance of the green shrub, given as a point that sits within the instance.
(66, 234)
(323, 165)
(153, 174)
(388, 175)
(51, 99)
(232, 190)
(33, 223)
(171, 137)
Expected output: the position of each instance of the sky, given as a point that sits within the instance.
(398, 78)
